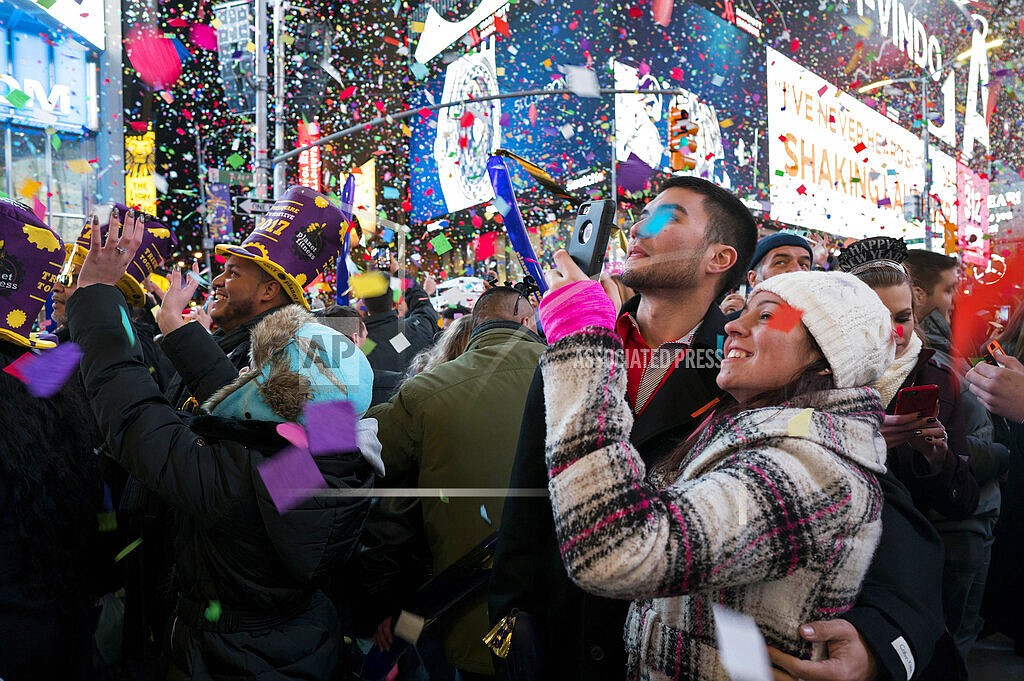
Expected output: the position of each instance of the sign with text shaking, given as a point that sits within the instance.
(834, 163)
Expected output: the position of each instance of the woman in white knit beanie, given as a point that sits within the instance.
(771, 510)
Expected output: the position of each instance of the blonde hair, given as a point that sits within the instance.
(450, 344)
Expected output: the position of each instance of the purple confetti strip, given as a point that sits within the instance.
(289, 476)
(331, 427)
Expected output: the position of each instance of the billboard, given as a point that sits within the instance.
(449, 147)
(836, 164)
(46, 85)
(972, 216)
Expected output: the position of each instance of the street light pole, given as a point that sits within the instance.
(279, 168)
(261, 163)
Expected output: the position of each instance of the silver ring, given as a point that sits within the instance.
(120, 250)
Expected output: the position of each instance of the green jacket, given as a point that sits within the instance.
(457, 426)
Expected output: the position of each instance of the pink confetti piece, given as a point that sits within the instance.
(203, 36)
(46, 373)
(294, 433)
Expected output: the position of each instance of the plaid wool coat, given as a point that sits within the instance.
(776, 511)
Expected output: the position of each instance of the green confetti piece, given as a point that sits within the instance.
(235, 160)
(17, 98)
(396, 294)
(441, 244)
(212, 612)
(128, 549)
(367, 346)
(55, 141)
(127, 324)
(46, 4)
(779, 173)
(444, 499)
(106, 522)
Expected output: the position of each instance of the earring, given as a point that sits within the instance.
(825, 372)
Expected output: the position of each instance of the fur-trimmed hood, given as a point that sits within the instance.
(294, 360)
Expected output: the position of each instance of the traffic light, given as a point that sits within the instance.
(681, 139)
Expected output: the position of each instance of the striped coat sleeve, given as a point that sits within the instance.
(758, 515)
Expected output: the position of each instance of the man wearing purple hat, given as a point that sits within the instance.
(269, 270)
(49, 482)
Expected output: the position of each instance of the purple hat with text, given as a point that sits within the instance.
(293, 242)
(156, 247)
(31, 255)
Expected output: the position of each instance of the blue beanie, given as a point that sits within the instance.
(773, 241)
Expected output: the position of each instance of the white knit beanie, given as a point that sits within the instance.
(850, 323)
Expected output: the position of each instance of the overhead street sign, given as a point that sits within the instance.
(252, 206)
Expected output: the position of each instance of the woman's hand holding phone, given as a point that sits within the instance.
(925, 434)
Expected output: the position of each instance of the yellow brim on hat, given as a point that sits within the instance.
(132, 290)
(30, 341)
(287, 281)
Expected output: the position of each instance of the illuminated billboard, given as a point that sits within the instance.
(836, 164)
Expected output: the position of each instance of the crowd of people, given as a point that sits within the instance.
(570, 486)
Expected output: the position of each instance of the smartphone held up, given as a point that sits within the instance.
(589, 241)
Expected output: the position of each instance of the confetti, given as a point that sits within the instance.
(400, 343)
(368, 284)
(126, 324)
(367, 346)
(785, 318)
(46, 373)
(290, 476)
(634, 174)
(294, 433)
(800, 424)
(126, 550)
(213, 611)
(331, 427)
(483, 514)
(79, 166)
(29, 188)
(441, 244)
(17, 98)
(582, 81)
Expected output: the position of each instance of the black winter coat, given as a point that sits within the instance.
(899, 612)
(418, 327)
(49, 495)
(582, 634)
(952, 490)
(247, 605)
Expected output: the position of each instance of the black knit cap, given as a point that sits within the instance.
(773, 241)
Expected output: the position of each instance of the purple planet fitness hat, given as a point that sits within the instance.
(30, 260)
(300, 234)
(156, 247)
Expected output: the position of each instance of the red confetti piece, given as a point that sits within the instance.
(501, 26)
(801, 190)
(153, 57)
(177, 22)
(676, 74)
(662, 11)
(794, 45)
(899, 331)
(466, 119)
(785, 318)
(347, 92)
(635, 12)
(425, 113)
(860, 147)
(823, 90)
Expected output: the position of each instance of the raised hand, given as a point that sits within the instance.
(106, 263)
(176, 299)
